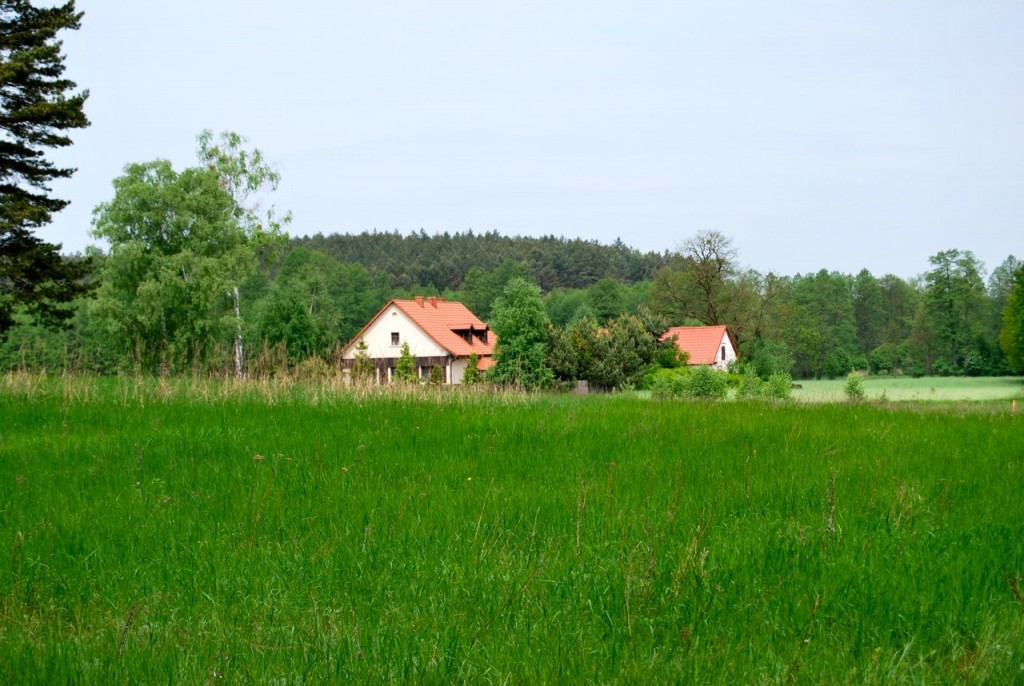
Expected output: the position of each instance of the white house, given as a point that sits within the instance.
(439, 333)
(709, 345)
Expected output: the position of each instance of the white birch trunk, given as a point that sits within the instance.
(239, 358)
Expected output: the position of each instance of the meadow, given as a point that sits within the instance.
(201, 532)
(925, 389)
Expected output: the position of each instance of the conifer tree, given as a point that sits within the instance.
(405, 370)
(37, 108)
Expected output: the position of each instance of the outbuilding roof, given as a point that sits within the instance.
(701, 342)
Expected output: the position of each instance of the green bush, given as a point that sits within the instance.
(436, 377)
(854, 387)
(472, 374)
(779, 386)
(751, 387)
(670, 383)
(707, 384)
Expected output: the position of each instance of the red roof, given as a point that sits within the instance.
(440, 320)
(701, 342)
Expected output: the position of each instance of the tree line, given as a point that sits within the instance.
(443, 260)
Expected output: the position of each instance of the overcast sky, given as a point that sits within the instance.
(817, 134)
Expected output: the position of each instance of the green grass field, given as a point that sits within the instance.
(189, 532)
(946, 389)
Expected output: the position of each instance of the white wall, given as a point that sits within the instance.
(730, 353)
(458, 369)
(378, 337)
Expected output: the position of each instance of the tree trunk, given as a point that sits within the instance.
(239, 359)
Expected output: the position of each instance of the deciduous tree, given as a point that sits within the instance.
(180, 248)
(520, 322)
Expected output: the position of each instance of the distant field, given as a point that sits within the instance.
(195, 532)
(926, 388)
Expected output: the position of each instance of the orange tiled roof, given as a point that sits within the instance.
(440, 320)
(701, 342)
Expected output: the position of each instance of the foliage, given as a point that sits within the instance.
(767, 358)
(405, 368)
(180, 246)
(751, 387)
(472, 375)
(626, 349)
(480, 289)
(567, 305)
(363, 371)
(953, 313)
(316, 302)
(612, 357)
(707, 384)
(605, 299)
(312, 368)
(854, 387)
(669, 383)
(445, 259)
(1012, 336)
(697, 383)
(436, 377)
(890, 358)
(520, 323)
(37, 108)
(779, 386)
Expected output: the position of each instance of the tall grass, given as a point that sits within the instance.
(181, 531)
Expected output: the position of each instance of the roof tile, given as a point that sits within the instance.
(701, 342)
(440, 319)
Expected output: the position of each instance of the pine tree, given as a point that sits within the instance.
(35, 112)
(405, 370)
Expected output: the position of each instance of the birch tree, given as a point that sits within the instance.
(181, 244)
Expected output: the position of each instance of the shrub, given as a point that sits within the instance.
(707, 384)
(779, 386)
(854, 387)
(311, 369)
(670, 383)
(363, 370)
(751, 387)
(472, 374)
(436, 375)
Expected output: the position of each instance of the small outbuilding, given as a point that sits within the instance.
(439, 333)
(705, 345)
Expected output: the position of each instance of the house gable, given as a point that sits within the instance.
(438, 332)
(381, 342)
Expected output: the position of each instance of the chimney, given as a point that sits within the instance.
(419, 300)
(433, 302)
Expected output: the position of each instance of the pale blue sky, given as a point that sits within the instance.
(816, 134)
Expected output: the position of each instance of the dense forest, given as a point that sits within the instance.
(443, 260)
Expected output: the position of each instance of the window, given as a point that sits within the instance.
(723, 353)
(394, 338)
